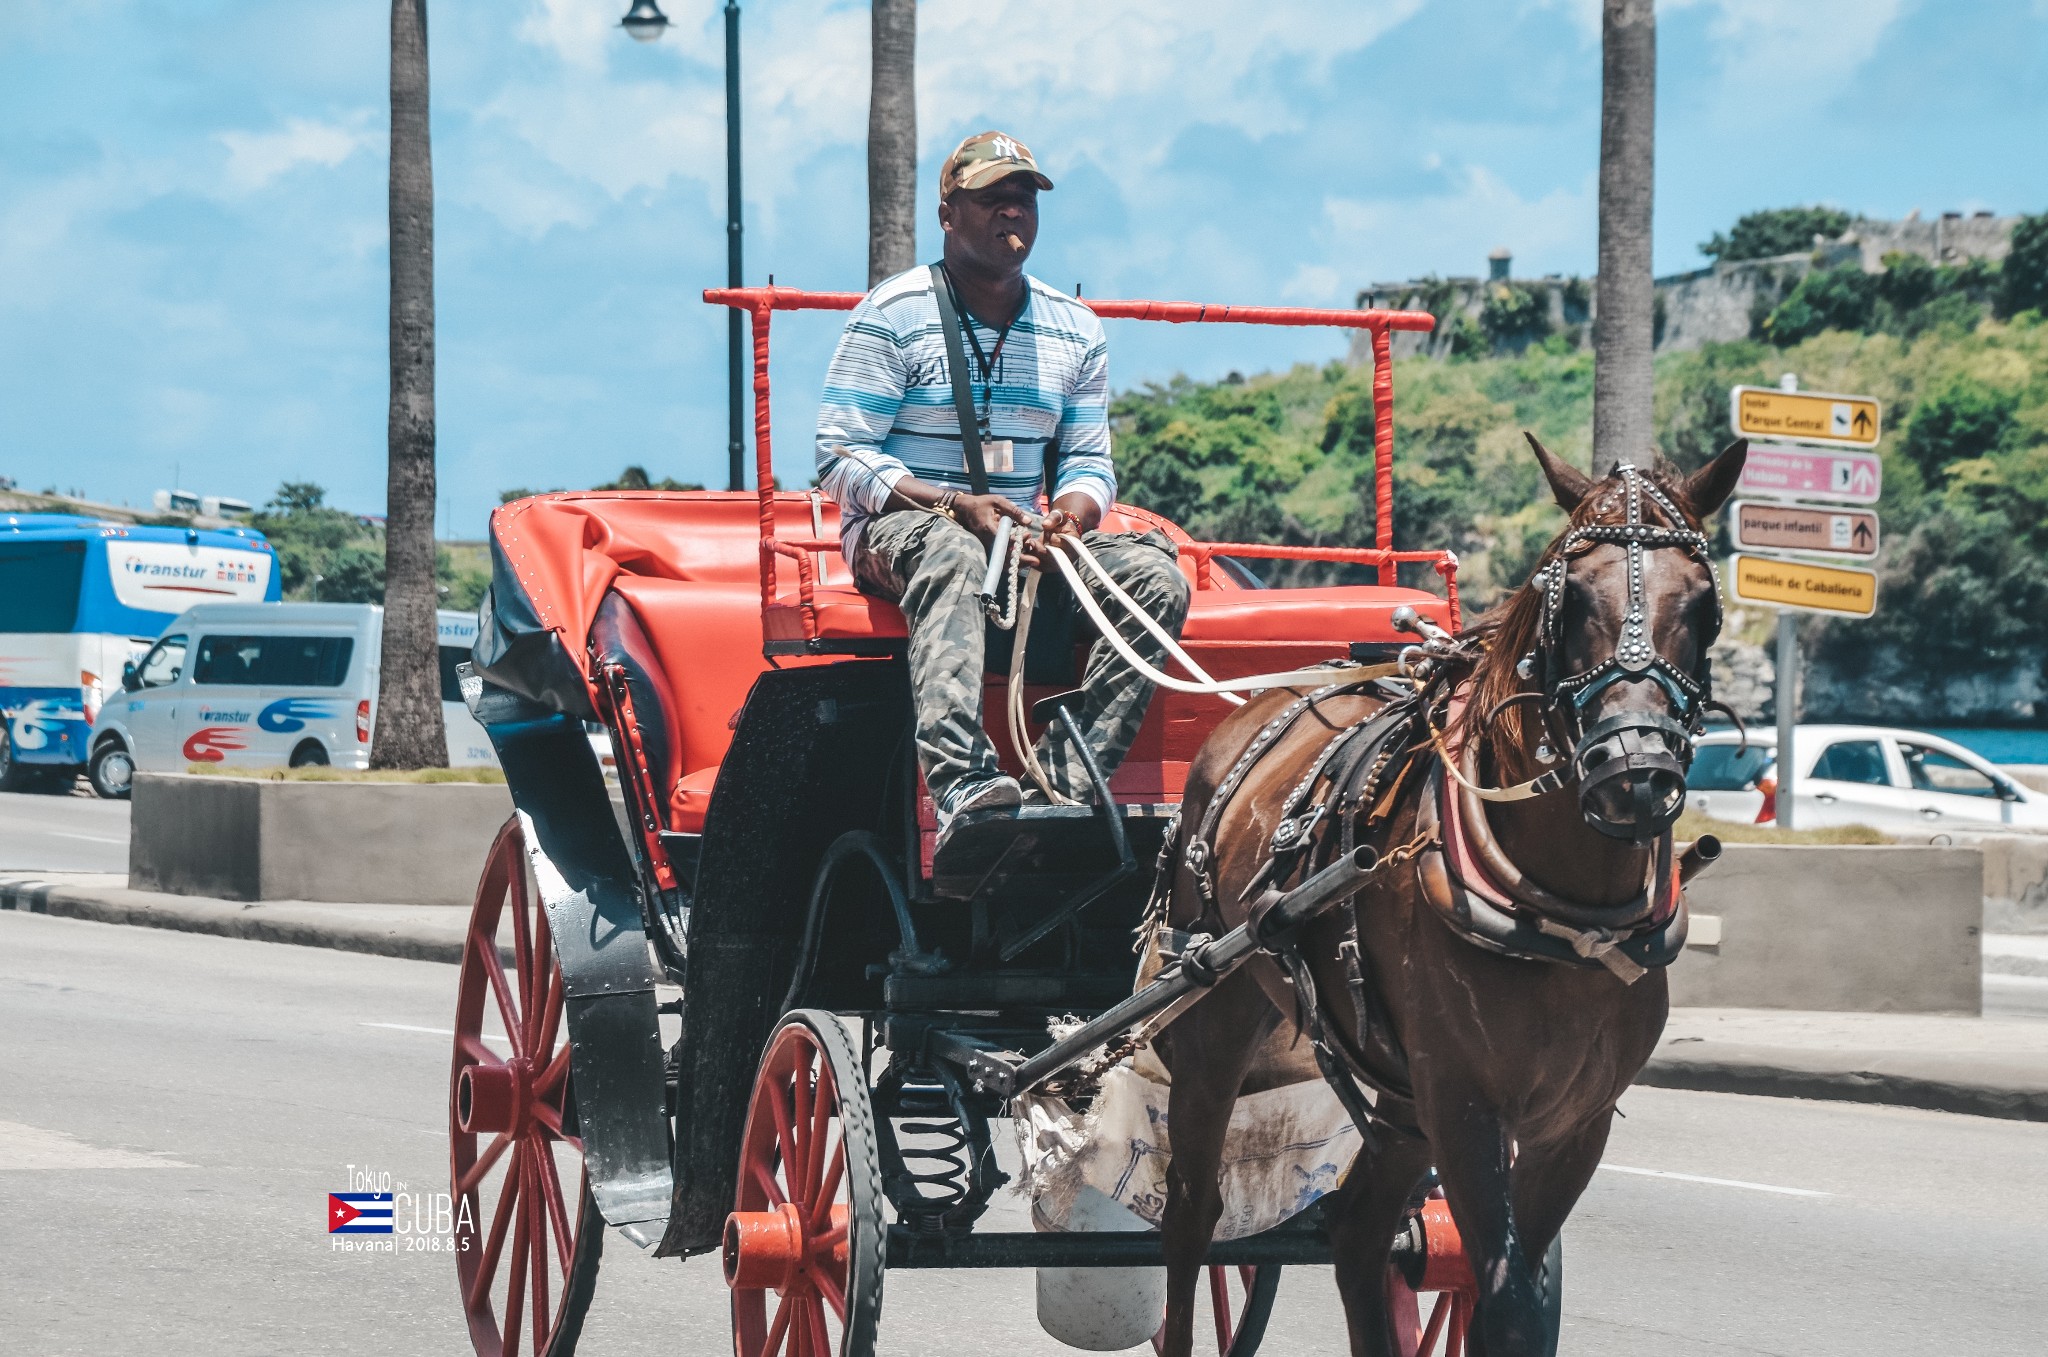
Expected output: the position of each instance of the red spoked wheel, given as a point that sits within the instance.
(807, 1219)
(526, 1250)
(1240, 1303)
(1447, 1282)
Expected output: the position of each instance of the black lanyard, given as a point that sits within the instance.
(985, 362)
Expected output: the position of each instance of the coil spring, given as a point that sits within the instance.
(936, 1183)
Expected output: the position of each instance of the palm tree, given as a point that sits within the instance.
(892, 141)
(409, 730)
(1624, 323)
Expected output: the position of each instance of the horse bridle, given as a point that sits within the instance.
(1632, 742)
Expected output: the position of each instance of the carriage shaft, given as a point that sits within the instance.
(1292, 1247)
(1201, 966)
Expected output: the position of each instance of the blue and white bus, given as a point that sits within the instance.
(79, 599)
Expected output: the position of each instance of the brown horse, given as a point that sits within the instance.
(1499, 1070)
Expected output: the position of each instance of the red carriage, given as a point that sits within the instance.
(747, 1012)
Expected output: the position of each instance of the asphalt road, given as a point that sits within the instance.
(63, 833)
(174, 1108)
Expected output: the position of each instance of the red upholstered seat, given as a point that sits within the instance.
(692, 801)
(844, 614)
(1334, 614)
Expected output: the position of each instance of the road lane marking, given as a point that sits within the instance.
(1717, 1182)
(89, 838)
(434, 1031)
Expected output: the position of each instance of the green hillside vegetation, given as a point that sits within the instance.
(1288, 457)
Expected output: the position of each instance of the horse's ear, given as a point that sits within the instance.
(1567, 482)
(1707, 489)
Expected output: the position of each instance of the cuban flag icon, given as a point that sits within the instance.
(359, 1213)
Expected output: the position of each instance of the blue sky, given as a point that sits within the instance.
(192, 218)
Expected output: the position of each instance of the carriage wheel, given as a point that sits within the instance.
(526, 1250)
(807, 1219)
(1240, 1302)
(1447, 1282)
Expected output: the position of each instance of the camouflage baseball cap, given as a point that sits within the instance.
(984, 158)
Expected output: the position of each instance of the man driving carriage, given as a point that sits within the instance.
(926, 457)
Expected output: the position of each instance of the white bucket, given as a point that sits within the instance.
(1100, 1309)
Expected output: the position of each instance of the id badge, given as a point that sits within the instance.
(1000, 454)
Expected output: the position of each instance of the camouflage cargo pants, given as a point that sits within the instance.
(932, 568)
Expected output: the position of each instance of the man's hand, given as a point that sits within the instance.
(1038, 547)
(983, 515)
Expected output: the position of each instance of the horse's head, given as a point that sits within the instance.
(1618, 622)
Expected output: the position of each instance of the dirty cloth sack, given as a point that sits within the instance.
(1285, 1148)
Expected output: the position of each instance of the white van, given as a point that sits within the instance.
(266, 685)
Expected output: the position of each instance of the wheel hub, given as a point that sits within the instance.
(771, 1250)
(493, 1098)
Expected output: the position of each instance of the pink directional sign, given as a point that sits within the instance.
(1810, 473)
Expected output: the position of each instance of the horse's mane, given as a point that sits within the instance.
(1511, 629)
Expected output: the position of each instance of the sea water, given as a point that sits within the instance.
(2000, 744)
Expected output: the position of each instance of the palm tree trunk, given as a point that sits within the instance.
(892, 141)
(409, 732)
(1623, 325)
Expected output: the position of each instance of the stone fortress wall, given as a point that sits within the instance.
(1714, 304)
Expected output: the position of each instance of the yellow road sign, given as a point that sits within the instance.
(1804, 416)
(1800, 586)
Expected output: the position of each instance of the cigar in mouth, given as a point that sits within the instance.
(1013, 240)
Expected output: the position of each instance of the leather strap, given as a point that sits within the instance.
(956, 366)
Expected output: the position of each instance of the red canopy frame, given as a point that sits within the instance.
(761, 303)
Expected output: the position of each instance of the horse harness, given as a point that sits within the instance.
(1464, 875)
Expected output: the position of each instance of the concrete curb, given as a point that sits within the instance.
(379, 930)
(1764, 1078)
(2000, 1087)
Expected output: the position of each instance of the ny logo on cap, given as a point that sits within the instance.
(1005, 149)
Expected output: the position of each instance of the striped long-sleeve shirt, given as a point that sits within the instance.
(888, 407)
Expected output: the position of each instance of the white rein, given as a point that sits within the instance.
(1008, 551)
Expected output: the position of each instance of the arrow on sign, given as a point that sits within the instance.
(1862, 535)
(1862, 423)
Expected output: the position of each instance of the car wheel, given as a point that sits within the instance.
(112, 771)
(311, 754)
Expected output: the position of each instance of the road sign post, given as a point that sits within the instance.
(1787, 699)
(1802, 586)
(1812, 473)
(1804, 416)
(1838, 470)
(1759, 525)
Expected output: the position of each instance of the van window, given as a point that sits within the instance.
(274, 661)
(39, 585)
(451, 687)
(1854, 761)
(163, 662)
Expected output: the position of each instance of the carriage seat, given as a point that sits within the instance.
(691, 651)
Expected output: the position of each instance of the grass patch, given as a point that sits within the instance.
(494, 776)
(1692, 824)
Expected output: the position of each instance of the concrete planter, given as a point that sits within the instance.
(237, 838)
(1882, 929)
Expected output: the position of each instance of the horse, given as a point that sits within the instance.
(1497, 1046)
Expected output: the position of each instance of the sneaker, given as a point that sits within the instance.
(999, 792)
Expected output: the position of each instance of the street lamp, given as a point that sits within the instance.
(645, 22)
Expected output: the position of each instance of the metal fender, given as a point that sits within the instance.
(608, 974)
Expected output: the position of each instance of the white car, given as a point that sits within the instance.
(266, 685)
(1896, 781)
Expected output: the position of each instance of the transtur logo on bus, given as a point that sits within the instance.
(217, 714)
(138, 566)
(212, 744)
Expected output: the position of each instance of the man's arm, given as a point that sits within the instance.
(1086, 486)
(863, 388)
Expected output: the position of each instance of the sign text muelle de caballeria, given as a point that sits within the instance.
(1802, 586)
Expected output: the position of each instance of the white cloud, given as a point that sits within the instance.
(1802, 53)
(1383, 240)
(1315, 285)
(257, 158)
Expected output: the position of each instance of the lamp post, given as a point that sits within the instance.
(645, 22)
